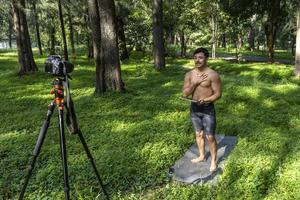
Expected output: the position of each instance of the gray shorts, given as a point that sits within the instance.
(203, 118)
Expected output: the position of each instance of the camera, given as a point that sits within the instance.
(57, 67)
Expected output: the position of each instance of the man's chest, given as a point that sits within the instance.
(204, 84)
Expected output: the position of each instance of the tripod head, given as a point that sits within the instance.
(58, 91)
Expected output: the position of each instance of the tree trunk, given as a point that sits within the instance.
(90, 46)
(271, 27)
(214, 27)
(37, 27)
(251, 37)
(71, 34)
(182, 44)
(26, 61)
(93, 9)
(292, 46)
(52, 40)
(224, 40)
(89, 43)
(270, 37)
(122, 40)
(158, 35)
(62, 26)
(297, 53)
(109, 46)
(10, 27)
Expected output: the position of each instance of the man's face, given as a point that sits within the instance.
(200, 60)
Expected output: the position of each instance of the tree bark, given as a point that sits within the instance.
(93, 9)
(89, 43)
(224, 40)
(251, 37)
(62, 26)
(71, 32)
(52, 40)
(271, 27)
(37, 27)
(292, 46)
(270, 37)
(122, 40)
(214, 27)
(297, 53)
(109, 46)
(10, 27)
(182, 44)
(158, 35)
(25, 56)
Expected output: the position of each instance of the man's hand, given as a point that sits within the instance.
(199, 79)
(201, 101)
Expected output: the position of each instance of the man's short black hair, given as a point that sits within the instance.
(203, 50)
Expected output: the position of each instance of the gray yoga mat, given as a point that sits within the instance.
(194, 173)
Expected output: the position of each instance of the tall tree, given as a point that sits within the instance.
(62, 26)
(297, 54)
(109, 46)
(273, 11)
(10, 27)
(158, 35)
(26, 61)
(122, 13)
(182, 43)
(93, 10)
(37, 26)
(71, 32)
(52, 39)
(88, 35)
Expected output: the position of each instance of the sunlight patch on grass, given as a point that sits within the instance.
(150, 153)
(249, 92)
(9, 135)
(268, 103)
(122, 126)
(169, 84)
(170, 116)
(285, 88)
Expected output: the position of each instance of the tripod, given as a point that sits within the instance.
(59, 102)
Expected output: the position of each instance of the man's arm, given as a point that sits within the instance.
(216, 88)
(188, 87)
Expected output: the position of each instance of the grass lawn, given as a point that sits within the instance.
(278, 54)
(137, 135)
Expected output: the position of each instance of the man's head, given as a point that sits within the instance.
(200, 57)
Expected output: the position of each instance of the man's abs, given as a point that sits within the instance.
(202, 92)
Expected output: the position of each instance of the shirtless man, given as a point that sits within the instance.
(204, 85)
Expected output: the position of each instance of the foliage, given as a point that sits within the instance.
(193, 17)
(136, 136)
(5, 16)
(138, 25)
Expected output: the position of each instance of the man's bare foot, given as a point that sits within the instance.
(199, 159)
(213, 168)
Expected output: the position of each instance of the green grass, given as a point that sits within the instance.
(278, 54)
(137, 135)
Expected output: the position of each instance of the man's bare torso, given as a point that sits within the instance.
(204, 89)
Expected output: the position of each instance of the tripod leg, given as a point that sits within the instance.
(63, 153)
(37, 148)
(89, 155)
